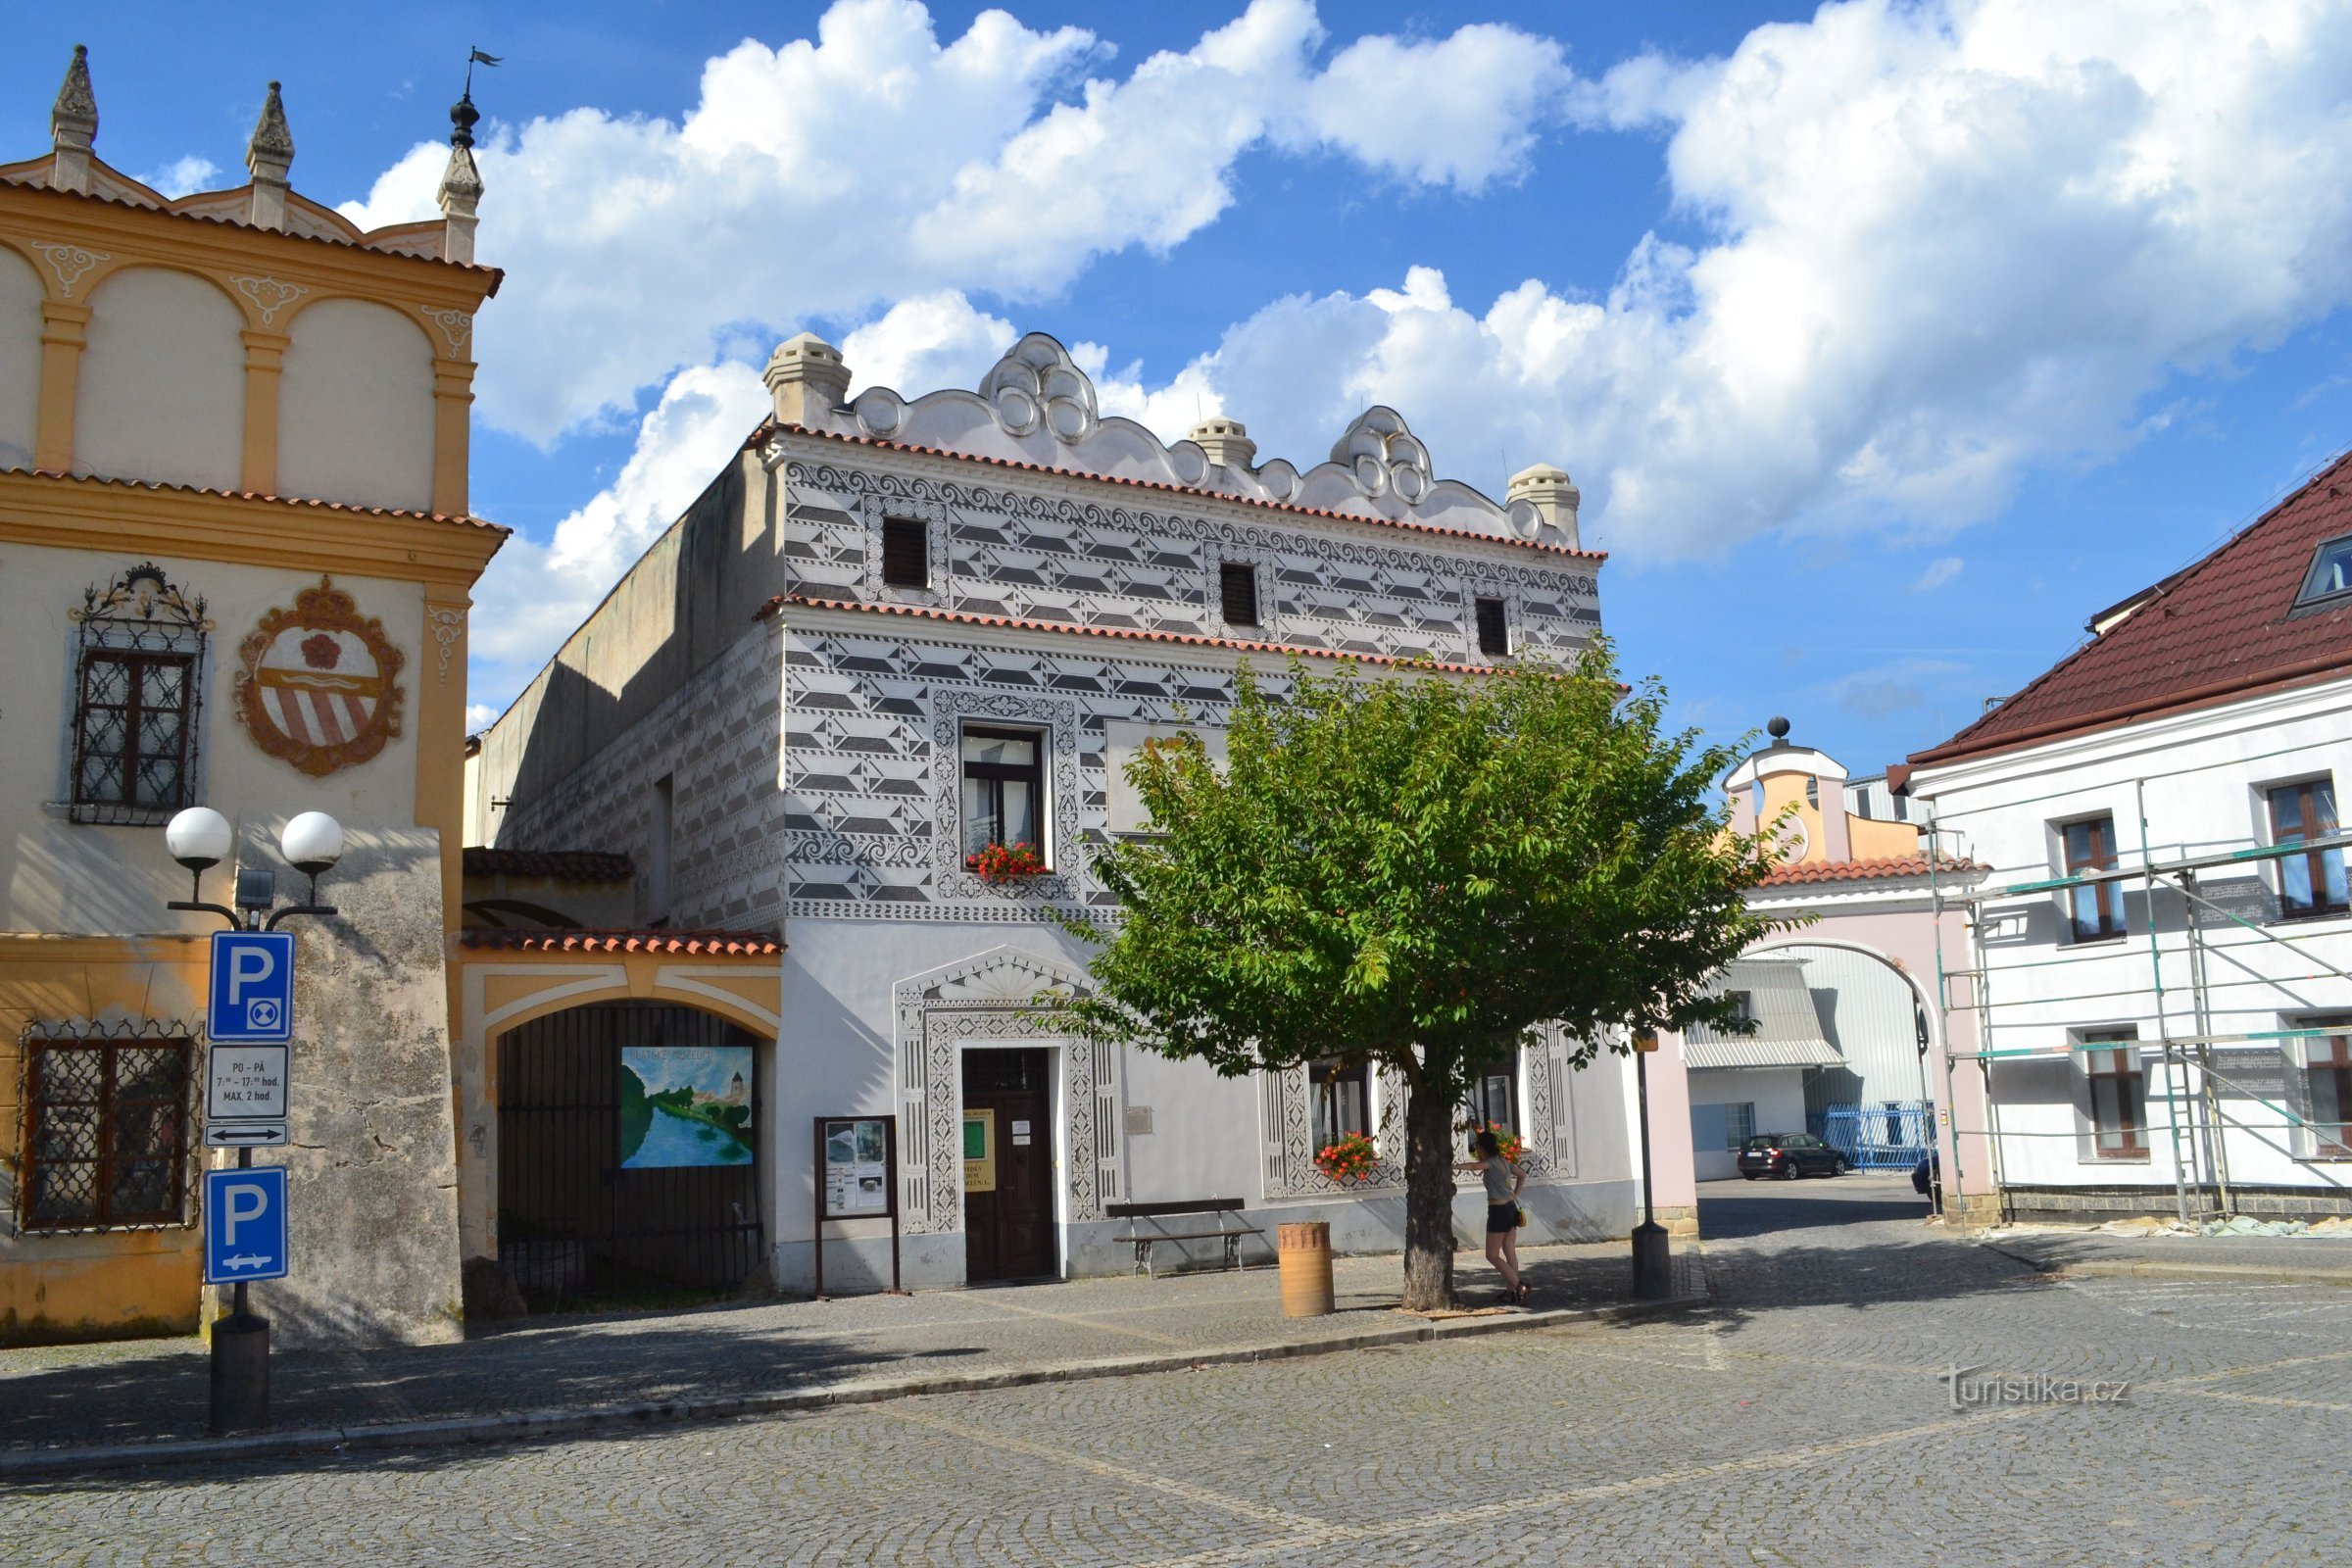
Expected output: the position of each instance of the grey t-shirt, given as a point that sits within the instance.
(1498, 1176)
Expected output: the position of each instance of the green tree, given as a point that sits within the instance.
(1416, 872)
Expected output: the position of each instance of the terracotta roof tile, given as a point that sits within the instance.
(2223, 628)
(1807, 871)
(700, 944)
(570, 865)
(352, 506)
(771, 428)
(1128, 633)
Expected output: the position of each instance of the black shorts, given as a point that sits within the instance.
(1502, 1217)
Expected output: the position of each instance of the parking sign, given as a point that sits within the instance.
(253, 988)
(245, 1224)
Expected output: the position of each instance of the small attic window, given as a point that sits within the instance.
(2331, 574)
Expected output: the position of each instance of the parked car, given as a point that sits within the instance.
(1790, 1155)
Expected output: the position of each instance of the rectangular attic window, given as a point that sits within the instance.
(906, 552)
(1236, 583)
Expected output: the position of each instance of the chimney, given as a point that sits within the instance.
(461, 185)
(74, 125)
(269, 156)
(1227, 443)
(1551, 492)
(807, 378)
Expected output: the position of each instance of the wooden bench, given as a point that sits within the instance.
(1231, 1235)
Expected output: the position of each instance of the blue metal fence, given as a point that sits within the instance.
(1894, 1136)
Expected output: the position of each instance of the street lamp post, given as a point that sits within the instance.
(200, 838)
(1654, 1271)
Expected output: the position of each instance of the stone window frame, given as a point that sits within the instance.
(1059, 725)
(1215, 552)
(872, 507)
(121, 619)
(1514, 619)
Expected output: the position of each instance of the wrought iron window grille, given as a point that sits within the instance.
(139, 661)
(107, 1127)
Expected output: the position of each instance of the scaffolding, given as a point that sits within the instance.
(2197, 1115)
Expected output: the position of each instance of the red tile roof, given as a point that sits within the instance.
(700, 944)
(771, 428)
(1803, 871)
(570, 865)
(1129, 633)
(2224, 628)
(352, 506)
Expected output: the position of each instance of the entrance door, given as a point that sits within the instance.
(1008, 1232)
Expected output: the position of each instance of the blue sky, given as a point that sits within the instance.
(1887, 341)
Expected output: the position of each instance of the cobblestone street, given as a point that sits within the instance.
(1808, 1417)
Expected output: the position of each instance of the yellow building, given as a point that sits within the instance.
(235, 552)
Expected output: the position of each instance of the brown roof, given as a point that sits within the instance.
(1801, 871)
(772, 426)
(702, 944)
(355, 509)
(2224, 628)
(1134, 633)
(568, 865)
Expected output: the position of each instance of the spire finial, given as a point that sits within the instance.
(74, 118)
(272, 144)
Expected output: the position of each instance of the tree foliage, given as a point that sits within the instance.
(1418, 870)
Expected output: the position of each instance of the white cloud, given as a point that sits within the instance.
(183, 177)
(925, 343)
(824, 178)
(535, 594)
(1940, 570)
(479, 717)
(1945, 242)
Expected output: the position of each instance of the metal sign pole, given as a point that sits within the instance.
(817, 1232)
(1654, 1273)
(890, 1148)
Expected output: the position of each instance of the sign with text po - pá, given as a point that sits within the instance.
(245, 1096)
(253, 988)
(245, 1224)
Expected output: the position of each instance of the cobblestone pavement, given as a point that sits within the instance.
(149, 1391)
(1807, 1418)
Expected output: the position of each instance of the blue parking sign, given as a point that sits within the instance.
(253, 988)
(245, 1224)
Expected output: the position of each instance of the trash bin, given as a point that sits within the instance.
(1305, 1254)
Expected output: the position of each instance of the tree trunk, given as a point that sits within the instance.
(1428, 1158)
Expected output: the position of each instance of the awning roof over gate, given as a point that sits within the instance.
(1787, 1028)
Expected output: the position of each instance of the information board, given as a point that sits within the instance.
(856, 1164)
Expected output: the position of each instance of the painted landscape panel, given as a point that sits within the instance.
(685, 1105)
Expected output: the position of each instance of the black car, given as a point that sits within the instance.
(1790, 1155)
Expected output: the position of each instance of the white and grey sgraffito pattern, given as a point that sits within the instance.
(1803, 1421)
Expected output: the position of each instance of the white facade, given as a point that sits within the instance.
(774, 718)
(2189, 785)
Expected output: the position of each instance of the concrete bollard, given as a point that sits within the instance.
(1305, 1254)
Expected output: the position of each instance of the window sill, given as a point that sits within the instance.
(2311, 917)
(2115, 1159)
(89, 816)
(2117, 939)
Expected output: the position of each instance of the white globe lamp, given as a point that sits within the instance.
(313, 843)
(199, 838)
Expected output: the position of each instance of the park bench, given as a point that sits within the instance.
(1135, 1214)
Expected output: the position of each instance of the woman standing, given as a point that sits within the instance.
(1503, 1180)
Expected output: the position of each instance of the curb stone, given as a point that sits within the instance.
(2185, 1269)
(529, 1425)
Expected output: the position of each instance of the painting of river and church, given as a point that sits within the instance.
(685, 1105)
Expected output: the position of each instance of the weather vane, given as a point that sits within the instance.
(474, 57)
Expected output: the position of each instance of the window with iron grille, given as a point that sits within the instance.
(138, 675)
(105, 1132)
(906, 552)
(1236, 583)
(1493, 628)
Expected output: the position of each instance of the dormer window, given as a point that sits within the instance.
(2329, 580)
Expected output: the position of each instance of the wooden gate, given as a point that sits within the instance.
(572, 1217)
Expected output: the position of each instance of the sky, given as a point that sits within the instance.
(1887, 342)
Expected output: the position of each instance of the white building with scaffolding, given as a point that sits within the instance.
(2159, 963)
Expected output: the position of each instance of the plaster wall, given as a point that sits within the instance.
(162, 390)
(20, 295)
(2198, 780)
(355, 418)
(1777, 1093)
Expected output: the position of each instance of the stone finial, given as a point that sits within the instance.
(73, 125)
(1226, 441)
(807, 377)
(461, 191)
(1552, 495)
(269, 157)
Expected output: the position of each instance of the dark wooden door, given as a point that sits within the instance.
(1009, 1234)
